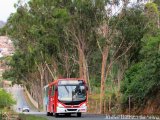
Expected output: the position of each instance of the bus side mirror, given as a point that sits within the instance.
(56, 88)
(87, 88)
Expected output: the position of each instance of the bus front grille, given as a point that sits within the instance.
(72, 109)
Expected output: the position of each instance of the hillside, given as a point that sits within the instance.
(2, 24)
(6, 49)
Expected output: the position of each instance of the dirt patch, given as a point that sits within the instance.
(152, 107)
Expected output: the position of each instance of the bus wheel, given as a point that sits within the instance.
(68, 114)
(56, 114)
(51, 114)
(48, 113)
(79, 114)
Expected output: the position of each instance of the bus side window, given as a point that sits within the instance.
(52, 94)
(45, 95)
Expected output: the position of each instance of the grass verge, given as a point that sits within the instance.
(30, 117)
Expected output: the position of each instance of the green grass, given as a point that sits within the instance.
(30, 117)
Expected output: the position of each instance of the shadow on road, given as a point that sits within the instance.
(83, 116)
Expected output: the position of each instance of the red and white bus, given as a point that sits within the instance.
(66, 96)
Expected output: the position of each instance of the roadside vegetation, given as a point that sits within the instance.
(30, 117)
(6, 100)
(6, 103)
(118, 54)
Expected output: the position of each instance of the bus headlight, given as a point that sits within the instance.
(83, 105)
(60, 105)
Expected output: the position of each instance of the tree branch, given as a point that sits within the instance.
(123, 53)
(50, 71)
(118, 48)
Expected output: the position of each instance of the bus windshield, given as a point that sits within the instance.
(71, 92)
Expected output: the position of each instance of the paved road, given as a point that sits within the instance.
(74, 117)
(98, 117)
(20, 98)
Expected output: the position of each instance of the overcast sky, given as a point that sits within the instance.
(6, 8)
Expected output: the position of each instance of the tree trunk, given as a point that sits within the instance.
(109, 104)
(80, 63)
(41, 98)
(103, 77)
(119, 79)
(41, 69)
(86, 73)
(83, 68)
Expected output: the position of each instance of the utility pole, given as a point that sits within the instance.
(129, 105)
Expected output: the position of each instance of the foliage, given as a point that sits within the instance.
(141, 81)
(132, 25)
(152, 8)
(157, 2)
(49, 36)
(6, 100)
(152, 12)
(19, 67)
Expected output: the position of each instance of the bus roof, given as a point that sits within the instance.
(56, 81)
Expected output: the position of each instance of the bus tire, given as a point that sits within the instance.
(56, 115)
(51, 114)
(68, 114)
(79, 114)
(48, 113)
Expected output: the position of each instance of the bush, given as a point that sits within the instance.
(141, 81)
(6, 100)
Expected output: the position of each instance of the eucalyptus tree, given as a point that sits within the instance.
(85, 17)
(36, 30)
(121, 35)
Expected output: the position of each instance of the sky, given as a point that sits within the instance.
(6, 8)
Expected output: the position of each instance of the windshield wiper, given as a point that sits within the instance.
(72, 95)
(66, 89)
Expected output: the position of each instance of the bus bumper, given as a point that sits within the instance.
(71, 110)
